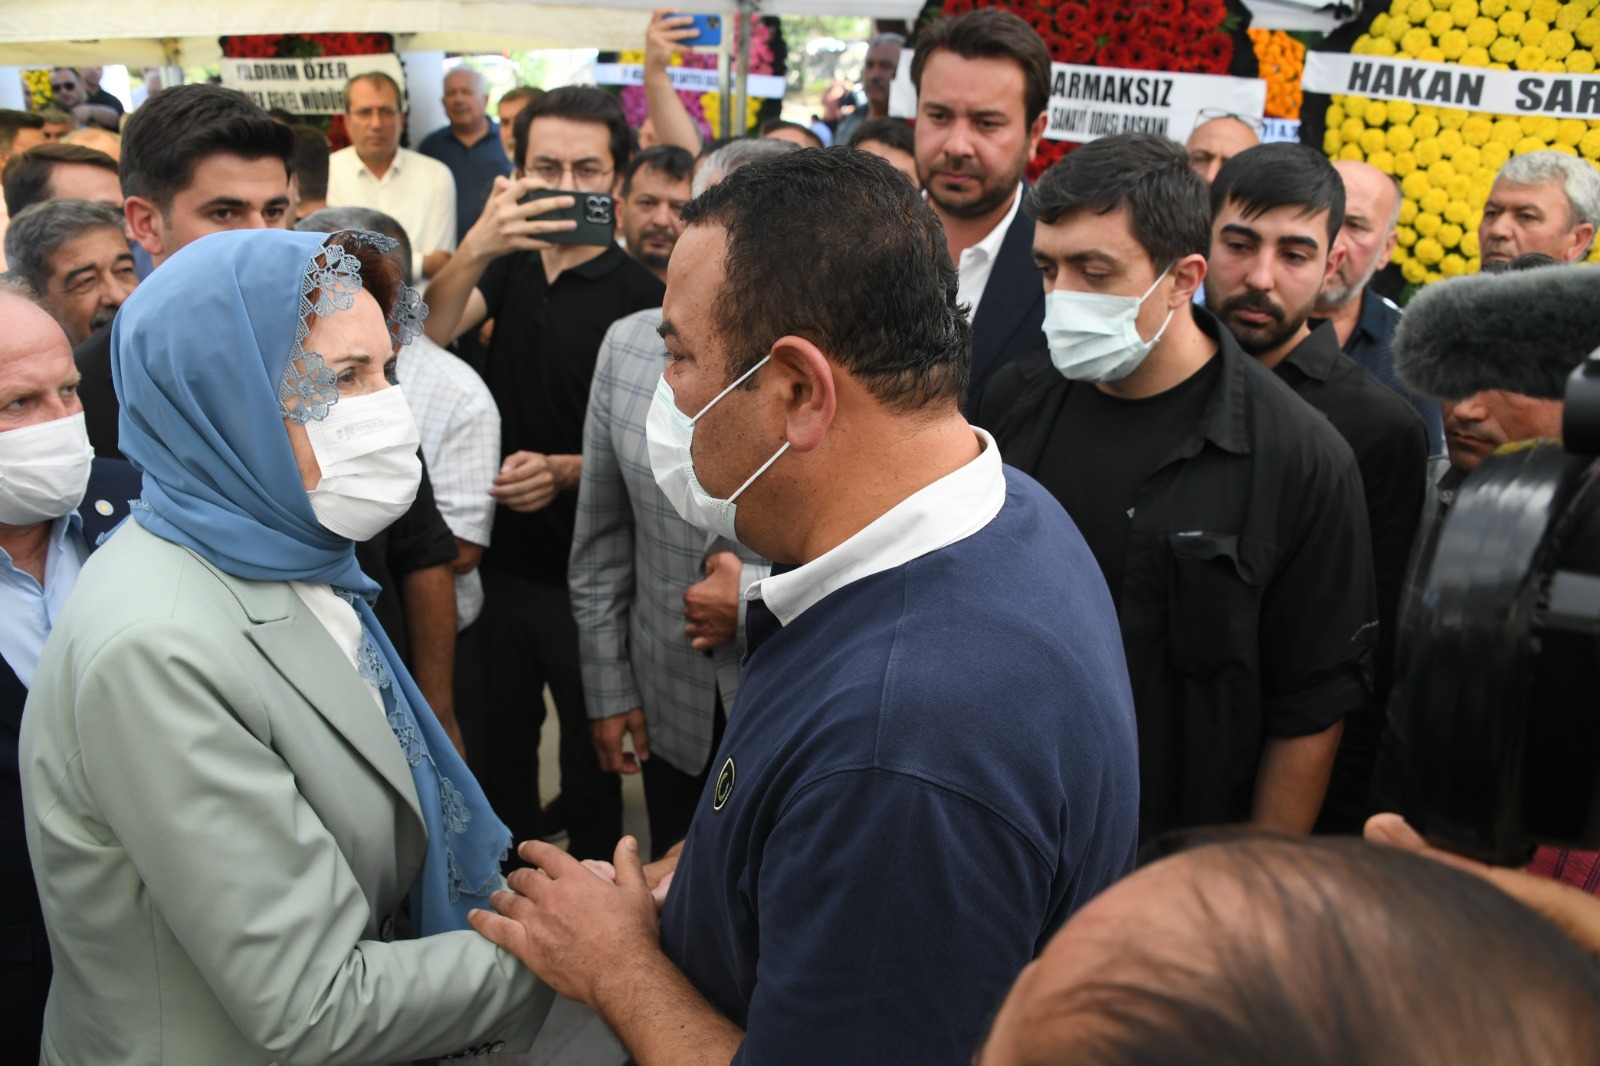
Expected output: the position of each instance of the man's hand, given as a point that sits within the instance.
(667, 32)
(452, 729)
(530, 480)
(508, 226)
(1574, 912)
(607, 735)
(572, 927)
(712, 606)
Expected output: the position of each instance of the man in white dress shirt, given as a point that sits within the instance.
(376, 172)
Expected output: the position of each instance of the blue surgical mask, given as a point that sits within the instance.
(1095, 336)
(670, 436)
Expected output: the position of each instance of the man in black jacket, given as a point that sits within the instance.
(1276, 211)
(1218, 504)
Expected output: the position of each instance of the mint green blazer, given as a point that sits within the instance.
(223, 827)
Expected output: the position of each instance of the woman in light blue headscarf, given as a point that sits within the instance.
(237, 800)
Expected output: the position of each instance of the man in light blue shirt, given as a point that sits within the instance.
(56, 500)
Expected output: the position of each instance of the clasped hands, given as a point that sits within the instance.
(580, 925)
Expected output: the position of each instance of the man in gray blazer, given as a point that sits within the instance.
(660, 618)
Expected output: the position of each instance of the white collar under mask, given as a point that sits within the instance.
(1094, 336)
(670, 435)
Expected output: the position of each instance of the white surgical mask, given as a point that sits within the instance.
(44, 470)
(670, 434)
(367, 449)
(1095, 336)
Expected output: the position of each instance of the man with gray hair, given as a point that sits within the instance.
(877, 71)
(1540, 202)
(470, 145)
(1364, 320)
(719, 163)
(74, 254)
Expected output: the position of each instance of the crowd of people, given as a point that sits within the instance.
(934, 543)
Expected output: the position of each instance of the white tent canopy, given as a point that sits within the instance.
(184, 32)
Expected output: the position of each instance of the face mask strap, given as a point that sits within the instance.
(1159, 278)
(737, 382)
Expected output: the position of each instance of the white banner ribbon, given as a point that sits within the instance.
(306, 86)
(691, 79)
(1091, 102)
(1504, 92)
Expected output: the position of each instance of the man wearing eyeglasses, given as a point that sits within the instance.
(552, 303)
(375, 172)
(1219, 136)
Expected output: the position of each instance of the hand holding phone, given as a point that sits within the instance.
(594, 215)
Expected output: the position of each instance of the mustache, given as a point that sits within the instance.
(1250, 300)
(100, 319)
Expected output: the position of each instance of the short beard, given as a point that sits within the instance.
(1259, 340)
(989, 199)
(1334, 296)
(653, 262)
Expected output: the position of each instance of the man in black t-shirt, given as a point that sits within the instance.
(1218, 504)
(551, 304)
(1276, 211)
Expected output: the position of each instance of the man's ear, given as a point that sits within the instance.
(809, 393)
(1036, 133)
(1335, 261)
(1582, 237)
(1188, 274)
(144, 223)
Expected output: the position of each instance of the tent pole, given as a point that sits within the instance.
(724, 101)
(747, 13)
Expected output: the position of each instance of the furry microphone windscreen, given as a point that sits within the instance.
(1517, 332)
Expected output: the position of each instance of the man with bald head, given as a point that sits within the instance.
(1279, 950)
(1363, 319)
(471, 146)
(56, 500)
(1216, 139)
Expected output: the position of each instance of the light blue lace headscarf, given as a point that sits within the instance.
(199, 359)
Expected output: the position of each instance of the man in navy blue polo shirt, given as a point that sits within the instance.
(470, 146)
(932, 760)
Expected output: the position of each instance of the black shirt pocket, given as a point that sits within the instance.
(1214, 603)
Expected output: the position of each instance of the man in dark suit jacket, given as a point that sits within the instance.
(982, 83)
(54, 507)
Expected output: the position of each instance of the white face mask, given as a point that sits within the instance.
(367, 449)
(670, 434)
(1095, 336)
(44, 470)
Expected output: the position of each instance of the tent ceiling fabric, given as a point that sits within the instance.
(44, 32)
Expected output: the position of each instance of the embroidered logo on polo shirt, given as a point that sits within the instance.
(724, 786)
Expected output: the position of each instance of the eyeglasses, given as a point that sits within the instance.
(1207, 114)
(551, 171)
(60, 86)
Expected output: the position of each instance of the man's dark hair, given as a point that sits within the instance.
(27, 176)
(1525, 261)
(1148, 175)
(334, 219)
(12, 121)
(890, 131)
(179, 127)
(989, 33)
(1281, 174)
(378, 76)
(1329, 951)
(310, 164)
(667, 159)
(812, 235)
(578, 103)
(772, 125)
